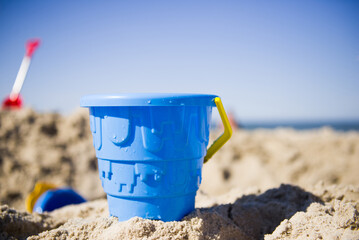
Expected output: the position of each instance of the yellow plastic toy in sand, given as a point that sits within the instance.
(221, 140)
(39, 189)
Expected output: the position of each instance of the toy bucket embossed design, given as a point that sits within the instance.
(150, 150)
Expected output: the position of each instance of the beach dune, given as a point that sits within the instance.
(271, 184)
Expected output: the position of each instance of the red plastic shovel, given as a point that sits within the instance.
(14, 100)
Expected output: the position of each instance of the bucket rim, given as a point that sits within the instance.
(147, 99)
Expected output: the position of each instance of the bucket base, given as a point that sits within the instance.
(165, 209)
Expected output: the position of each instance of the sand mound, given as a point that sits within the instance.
(289, 211)
(267, 158)
(241, 196)
(46, 147)
(15, 224)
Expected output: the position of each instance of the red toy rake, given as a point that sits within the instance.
(14, 100)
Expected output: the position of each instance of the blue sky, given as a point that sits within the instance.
(268, 60)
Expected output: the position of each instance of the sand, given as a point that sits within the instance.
(46, 147)
(263, 184)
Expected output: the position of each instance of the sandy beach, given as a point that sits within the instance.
(263, 184)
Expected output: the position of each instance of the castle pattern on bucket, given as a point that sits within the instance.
(158, 150)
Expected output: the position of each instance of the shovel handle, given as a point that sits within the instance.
(31, 46)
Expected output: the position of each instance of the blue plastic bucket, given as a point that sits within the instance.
(150, 150)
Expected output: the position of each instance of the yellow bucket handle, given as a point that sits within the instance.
(221, 140)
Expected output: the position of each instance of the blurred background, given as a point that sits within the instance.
(292, 63)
